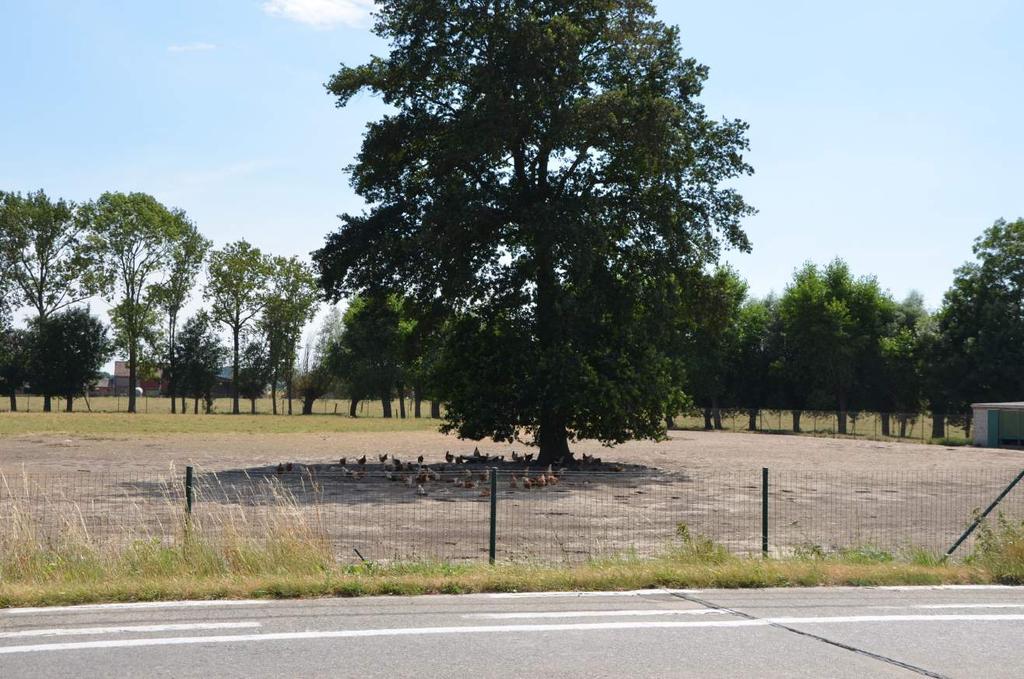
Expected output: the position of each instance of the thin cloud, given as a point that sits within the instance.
(321, 14)
(191, 47)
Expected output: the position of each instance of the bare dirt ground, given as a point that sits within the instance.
(823, 493)
(692, 451)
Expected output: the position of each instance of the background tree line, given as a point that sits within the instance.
(835, 341)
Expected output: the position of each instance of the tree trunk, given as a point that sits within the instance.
(553, 438)
(670, 422)
(385, 403)
(209, 403)
(353, 404)
(417, 410)
(716, 413)
(70, 405)
(252, 406)
(183, 403)
(273, 392)
(234, 371)
(307, 404)
(288, 393)
(752, 419)
(796, 421)
(195, 405)
(401, 401)
(708, 425)
(133, 377)
(46, 403)
(14, 400)
(435, 410)
(903, 425)
(938, 425)
(885, 424)
(968, 421)
(842, 415)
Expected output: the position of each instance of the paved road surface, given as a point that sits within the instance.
(827, 632)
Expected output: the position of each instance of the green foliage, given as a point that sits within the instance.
(68, 349)
(291, 302)
(367, 355)
(44, 253)
(132, 237)
(314, 374)
(236, 288)
(201, 356)
(15, 359)
(254, 369)
(981, 324)
(1000, 549)
(550, 173)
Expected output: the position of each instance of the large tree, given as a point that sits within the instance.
(238, 276)
(201, 355)
(68, 349)
(367, 354)
(981, 322)
(187, 253)
(291, 303)
(549, 172)
(133, 237)
(833, 324)
(44, 245)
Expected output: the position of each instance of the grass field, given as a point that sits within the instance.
(125, 424)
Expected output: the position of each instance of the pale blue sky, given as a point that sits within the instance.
(887, 133)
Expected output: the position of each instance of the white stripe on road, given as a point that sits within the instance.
(934, 606)
(132, 606)
(499, 629)
(82, 631)
(552, 595)
(590, 614)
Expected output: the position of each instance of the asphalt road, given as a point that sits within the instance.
(825, 632)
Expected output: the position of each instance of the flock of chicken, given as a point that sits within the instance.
(455, 470)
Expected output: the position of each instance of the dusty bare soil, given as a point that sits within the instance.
(823, 493)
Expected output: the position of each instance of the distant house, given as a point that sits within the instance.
(999, 425)
(150, 386)
(104, 386)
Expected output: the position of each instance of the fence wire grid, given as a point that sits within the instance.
(445, 516)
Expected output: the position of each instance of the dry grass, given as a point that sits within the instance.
(281, 552)
(99, 424)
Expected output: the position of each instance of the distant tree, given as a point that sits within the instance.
(201, 356)
(238, 277)
(254, 370)
(833, 323)
(68, 349)
(314, 376)
(44, 243)
(15, 357)
(187, 253)
(550, 172)
(133, 238)
(980, 345)
(713, 345)
(897, 383)
(367, 354)
(291, 303)
(753, 383)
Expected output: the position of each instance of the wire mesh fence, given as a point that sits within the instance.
(445, 514)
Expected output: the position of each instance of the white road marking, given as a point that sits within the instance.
(924, 588)
(552, 595)
(934, 606)
(132, 606)
(590, 614)
(121, 629)
(498, 629)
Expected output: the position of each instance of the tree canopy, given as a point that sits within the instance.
(550, 173)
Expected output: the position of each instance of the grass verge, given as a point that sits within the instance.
(300, 566)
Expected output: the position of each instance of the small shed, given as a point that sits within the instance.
(999, 425)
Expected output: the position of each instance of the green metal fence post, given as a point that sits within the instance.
(764, 511)
(492, 551)
(188, 489)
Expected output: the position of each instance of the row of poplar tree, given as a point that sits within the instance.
(834, 341)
